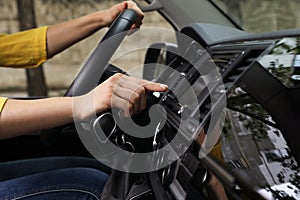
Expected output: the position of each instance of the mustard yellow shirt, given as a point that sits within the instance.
(25, 49)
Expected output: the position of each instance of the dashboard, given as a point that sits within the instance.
(266, 70)
(238, 97)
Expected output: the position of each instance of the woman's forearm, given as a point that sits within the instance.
(64, 35)
(20, 117)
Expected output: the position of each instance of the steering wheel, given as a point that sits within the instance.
(90, 76)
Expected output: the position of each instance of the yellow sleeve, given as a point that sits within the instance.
(2, 102)
(216, 152)
(25, 49)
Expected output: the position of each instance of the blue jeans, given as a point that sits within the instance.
(52, 178)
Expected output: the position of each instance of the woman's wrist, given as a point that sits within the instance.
(86, 106)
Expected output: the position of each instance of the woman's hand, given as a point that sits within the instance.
(114, 11)
(125, 93)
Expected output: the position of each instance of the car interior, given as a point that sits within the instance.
(238, 79)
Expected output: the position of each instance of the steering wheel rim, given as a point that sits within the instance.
(88, 77)
(95, 66)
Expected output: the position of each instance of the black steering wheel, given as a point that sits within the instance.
(88, 78)
(95, 68)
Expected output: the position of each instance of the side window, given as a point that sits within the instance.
(282, 61)
(242, 102)
(255, 149)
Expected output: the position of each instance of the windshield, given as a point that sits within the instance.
(262, 16)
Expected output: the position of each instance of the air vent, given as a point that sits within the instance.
(232, 64)
(224, 59)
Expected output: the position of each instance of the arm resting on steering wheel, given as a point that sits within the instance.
(62, 36)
